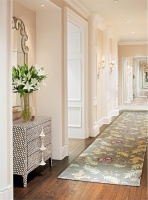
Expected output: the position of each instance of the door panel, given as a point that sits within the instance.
(75, 82)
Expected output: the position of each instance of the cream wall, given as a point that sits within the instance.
(103, 89)
(49, 100)
(128, 51)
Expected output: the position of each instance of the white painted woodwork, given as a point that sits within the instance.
(75, 68)
(6, 152)
(127, 80)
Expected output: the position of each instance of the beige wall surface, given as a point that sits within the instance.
(128, 51)
(132, 50)
(29, 19)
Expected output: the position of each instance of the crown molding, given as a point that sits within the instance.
(133, 43)
(78, 7)
(97, 21)
(101, 26)
(72, 16)
(100, 20)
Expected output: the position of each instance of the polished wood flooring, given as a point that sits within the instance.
(43, 183)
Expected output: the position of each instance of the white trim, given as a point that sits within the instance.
(133, 43)
(101, 26)
(95, 131)
(107, 120)
(73, 17)
(52, 4)
(80, 115)
(136, 107)
(101, 122)
(114, 113)
(64, 151)
(6, 193)
(78, 7)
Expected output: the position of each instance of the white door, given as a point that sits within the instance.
(75, 46)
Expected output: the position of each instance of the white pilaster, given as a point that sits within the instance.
(92, 26)
(106, 74)
(6, 169)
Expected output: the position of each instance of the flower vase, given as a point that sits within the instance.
(27, 109)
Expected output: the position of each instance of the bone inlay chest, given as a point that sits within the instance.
(31, 145)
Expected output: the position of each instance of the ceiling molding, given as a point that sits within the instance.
(97, 20)
(100, 20)
(78, 7)
(73, 17)
(133, 43)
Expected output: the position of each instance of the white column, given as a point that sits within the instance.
(106, 74)
(92, 52)
(6, 170)
(115, 78)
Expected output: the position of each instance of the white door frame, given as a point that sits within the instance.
(71, 16)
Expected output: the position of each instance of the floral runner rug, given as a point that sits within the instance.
(116, 156)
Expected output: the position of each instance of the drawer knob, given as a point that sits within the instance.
(42, 147)
(42, 133)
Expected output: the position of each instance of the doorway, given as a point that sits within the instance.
(76, 76)
(134, 83)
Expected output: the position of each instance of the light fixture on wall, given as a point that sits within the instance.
(99, 68)
(101, 65)
(111, 65)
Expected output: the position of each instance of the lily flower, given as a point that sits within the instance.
(41, 72)
(28, 86)
(18, 82)
(34, 81)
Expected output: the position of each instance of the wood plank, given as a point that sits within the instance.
(43, 183)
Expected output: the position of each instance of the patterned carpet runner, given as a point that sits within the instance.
(116, 156)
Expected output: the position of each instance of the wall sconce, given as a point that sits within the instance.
(99, 68)
(111, 65)
(101, 65)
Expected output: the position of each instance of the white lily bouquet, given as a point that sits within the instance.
(24, 81)
(27, 80)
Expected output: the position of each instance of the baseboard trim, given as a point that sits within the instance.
(95, 131)
(64, 151)
(6, 193)
(105, 120)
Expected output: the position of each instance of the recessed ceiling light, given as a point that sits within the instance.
(42, 5)
(116, 1)
(126, 21)
(133, 32)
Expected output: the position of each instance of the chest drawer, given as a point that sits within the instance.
(36, 144)
(34, 132)
(35, 158)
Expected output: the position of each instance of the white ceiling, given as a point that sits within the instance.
(35, 5)
(115, 15)
(123, 17)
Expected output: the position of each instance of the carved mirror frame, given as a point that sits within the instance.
(18, 24)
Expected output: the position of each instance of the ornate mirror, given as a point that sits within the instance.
(20, 50)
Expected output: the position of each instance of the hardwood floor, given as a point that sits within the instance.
(43, 183)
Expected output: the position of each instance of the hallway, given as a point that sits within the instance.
(138, 103)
